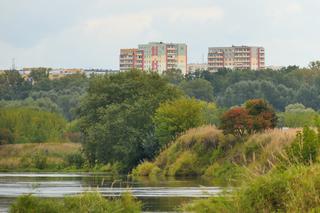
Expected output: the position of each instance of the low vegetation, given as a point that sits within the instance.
(291, 185)
(25, 125)
(46, 156)
(208, 152)
(87, 202)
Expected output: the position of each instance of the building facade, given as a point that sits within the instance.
(131, 59)
(236, 57)
(61, 73)
(155, 56)
(197, 67)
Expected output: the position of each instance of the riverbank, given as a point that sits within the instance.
(33, 157)
(206, 151)
(162, 195)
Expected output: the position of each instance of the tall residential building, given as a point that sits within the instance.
(131, 59)
(155, 56)
(159, 56)
(236, 57)
(197, 67)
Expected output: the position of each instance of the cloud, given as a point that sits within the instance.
(197, 14)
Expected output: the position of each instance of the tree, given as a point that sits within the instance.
(256, 116)
(174, 76)
(262, 115)
(198, 88)
(39, 74)
(297, 115)
(116, 116)
(314, 65)
(13, 86)
(235, 121)
(177, 116)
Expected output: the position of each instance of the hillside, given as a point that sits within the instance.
(208, 152)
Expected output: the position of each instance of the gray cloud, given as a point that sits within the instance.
(81, 33)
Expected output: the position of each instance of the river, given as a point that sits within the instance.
(157, 195)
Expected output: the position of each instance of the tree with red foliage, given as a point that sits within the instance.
(256, 116)
(235, 121)
(262, 115)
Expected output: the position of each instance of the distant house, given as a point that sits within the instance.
(197, 67)
(90, 72)
(60, 73)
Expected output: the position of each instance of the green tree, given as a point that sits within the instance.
(297, 115)
(174, 76)
(39, 74)
(30, 125)
(177, 116)
(198, 88)
(13, 86)
(116, 116)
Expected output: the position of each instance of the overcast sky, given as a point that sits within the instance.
(89, 33)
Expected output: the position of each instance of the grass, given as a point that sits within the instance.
(295, 190)
(206, 151)
(28, 157)
(84, 203)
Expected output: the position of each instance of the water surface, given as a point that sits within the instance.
(157, 195)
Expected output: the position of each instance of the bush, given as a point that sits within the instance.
(305, 147)
(294, 190)
(75, 159)
(87, 202)
(146, 169)
(30, 125)
(6, 136)
(224, 173)
(39, 160)
(184, 165)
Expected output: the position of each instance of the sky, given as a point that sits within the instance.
(90, 33)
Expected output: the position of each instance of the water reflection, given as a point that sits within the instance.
(157, 194)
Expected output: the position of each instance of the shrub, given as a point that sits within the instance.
(224, 173)
(145, 169)
(184, 166)
(39, 160)
(294, 190)
(87, 202)
(305, 147)
(6, 136)
(75, 159)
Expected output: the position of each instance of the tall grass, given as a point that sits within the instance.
(48, 156)
(207, 151)
(295, 190)
(84, 203)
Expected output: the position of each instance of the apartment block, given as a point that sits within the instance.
(197, 67)
(236, 57)
(131, 59)
(155, 56)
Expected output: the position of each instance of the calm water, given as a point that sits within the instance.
(159, 195)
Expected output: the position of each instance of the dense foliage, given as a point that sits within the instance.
(280, 88)
(177, 116)
(24, 125)
(256, 115)
(37, 91)
(116, 116)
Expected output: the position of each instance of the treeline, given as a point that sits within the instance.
(60, 95)
(24, 125)
(233, 87)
